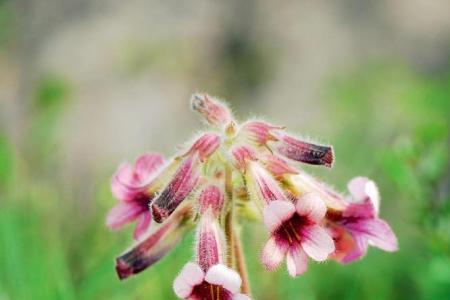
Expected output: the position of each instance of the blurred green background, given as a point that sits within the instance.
(85, 85)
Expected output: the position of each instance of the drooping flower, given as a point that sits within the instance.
(208, 278)
(358, 225)
(186, 177)
(296, 233)
(131, 185)
(156, 244)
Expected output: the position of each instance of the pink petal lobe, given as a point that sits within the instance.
(121, 180)
(142, 225)
(190, 276)
(276, 212)
(362, 188)
(122, 214)
(311, 206)
(241, 297)
(359, 250)
(297, 261)
(222, 275)
(148, 164)
(273, 253)
(378, 233)
(316, 242)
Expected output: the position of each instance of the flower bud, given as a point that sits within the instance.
(305, 152)
(214, 112)
(205, 146)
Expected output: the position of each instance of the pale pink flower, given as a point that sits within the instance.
(131, 185)
(358, 225)
(209, 278)
(219, 282)
(296, 233)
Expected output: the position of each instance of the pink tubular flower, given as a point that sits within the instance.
(209, 278)
(296, 233)
(265, 187)
(259, 132)
(214, 112)
(277, 166)
(132, 187)
(242, 155)
(156, 245)
(305, 152)
(358, 226)
(181, 185)
(186, 178)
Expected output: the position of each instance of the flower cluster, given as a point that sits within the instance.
(225, 175)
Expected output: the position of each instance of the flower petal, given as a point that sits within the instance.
(316, 242)
(143, 224)
(273, 253)
(147, 164)
(377, 231)
(222, 275)
(297, 261)
(190, 276)
(241, 297)
(362, 188)
(311, 206)
(358, 251)
(276, 212)
(122, 214)
(124, 183)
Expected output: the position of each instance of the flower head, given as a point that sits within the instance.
(233, 172)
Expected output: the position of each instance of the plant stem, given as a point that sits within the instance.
(241, 265)
(229, 217)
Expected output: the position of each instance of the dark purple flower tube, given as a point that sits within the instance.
(156, 245)
(305, 152)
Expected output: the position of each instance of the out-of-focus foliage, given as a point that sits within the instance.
(388, 123)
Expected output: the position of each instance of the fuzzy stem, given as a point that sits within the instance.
(241, 265)
(229, 217)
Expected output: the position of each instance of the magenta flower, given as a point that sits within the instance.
(359, 226)
(234, 172)
(132, 187)
(296, 233)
